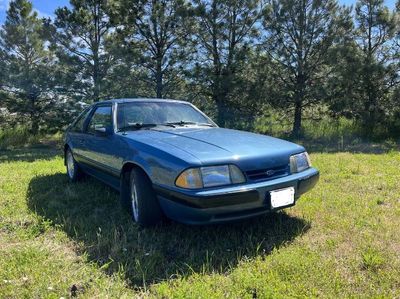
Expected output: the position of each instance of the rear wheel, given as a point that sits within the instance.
(144, 205)
(73, 171)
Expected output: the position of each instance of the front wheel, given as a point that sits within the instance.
(145, 208)
(73, 171)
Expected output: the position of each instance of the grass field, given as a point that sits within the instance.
(59, 239)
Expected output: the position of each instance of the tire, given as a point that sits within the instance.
(144, 206)
(73, 171)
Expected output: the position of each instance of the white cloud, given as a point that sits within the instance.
(42, 14)
(4, 4)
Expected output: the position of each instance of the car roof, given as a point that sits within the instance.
(129, 100)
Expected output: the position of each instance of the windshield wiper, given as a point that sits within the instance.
(182, 123)
(138, 126)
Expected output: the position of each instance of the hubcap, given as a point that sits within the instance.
(70, 164)
(134, 200)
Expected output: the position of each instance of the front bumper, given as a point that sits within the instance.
(230, 203)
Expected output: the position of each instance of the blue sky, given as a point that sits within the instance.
(46, 7)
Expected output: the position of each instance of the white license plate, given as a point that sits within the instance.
(282, 197)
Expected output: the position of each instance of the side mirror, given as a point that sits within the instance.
(102, 131)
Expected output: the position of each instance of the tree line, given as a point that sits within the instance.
(235, 59)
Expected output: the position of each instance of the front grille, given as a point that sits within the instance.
(268, 174)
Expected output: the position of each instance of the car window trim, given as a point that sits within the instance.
(85, 123)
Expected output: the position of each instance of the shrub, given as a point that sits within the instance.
(17, 137)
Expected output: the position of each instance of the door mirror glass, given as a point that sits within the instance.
(100, 129)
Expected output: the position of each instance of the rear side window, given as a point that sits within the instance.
(101, 119)
(80, 122)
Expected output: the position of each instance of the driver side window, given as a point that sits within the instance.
(101, 118)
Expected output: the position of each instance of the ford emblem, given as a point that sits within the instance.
(270, 172)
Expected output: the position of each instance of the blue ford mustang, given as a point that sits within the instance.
(167, 158)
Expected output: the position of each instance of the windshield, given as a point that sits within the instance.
(158, 113)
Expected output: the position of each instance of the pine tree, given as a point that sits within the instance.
(29, 64)
(378, 71)
(300, 35)
(224, 33)
(155, 31)
(82, 35)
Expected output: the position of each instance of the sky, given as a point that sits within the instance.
(46, 8)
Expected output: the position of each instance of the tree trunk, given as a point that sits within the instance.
(219, 98)
(159, 79)
(34, 120)
(221, 113)
(34, 125)
(370, 101)
(369, 121)
(298, 102)
(297, 119)
(96, 81)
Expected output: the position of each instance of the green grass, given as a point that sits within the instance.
(59, 239)
(328, 134)
(19, 137)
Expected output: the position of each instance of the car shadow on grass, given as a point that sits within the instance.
(89, 212)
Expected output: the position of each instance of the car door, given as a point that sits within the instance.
(100, 144)
(77, 135)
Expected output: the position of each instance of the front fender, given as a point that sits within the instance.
(161, 167)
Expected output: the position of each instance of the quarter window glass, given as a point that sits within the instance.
(100, 119)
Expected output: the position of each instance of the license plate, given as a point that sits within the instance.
(282, 197)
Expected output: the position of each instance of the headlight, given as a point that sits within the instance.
(212, 176)
(299, 162)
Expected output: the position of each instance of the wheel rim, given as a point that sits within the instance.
(70, 164)
(134, 201)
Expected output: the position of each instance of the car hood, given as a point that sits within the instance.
(218, 146)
